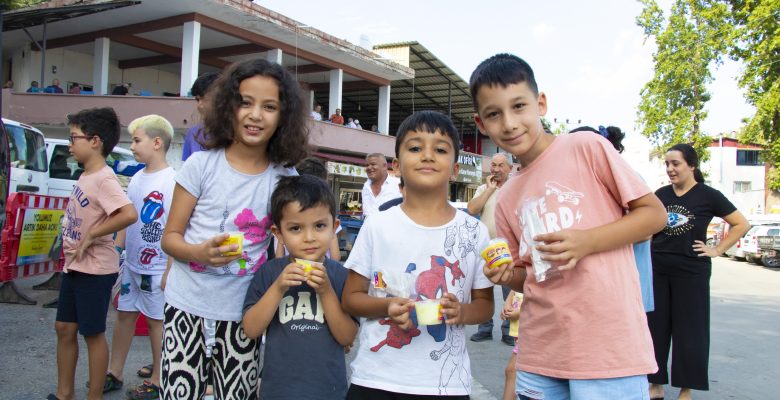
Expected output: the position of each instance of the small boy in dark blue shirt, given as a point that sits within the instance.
(296, 301)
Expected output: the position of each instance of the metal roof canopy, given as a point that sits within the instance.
(26, 18)
(230, 28)
(434, 87)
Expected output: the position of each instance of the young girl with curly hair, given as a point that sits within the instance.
(254, 132)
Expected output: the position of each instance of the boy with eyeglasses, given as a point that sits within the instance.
(97, 208)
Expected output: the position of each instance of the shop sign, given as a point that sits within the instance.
(470, 168)
(346, 169)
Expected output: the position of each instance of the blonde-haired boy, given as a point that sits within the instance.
(145, 267)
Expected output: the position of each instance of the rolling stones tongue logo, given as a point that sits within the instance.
(152, 208)
(147, 255)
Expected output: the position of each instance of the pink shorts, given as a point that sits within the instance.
(514, 349)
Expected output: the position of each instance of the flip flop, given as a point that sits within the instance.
(142, 372)
(52, 396)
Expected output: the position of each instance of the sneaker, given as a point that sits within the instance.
(144, 391)
(508, 340)
(112, 383)
(481, 337)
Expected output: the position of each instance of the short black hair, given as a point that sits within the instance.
(202, 84)
(312, 166)
(428, 121)
(503, 70)
(309, 191)
(100, 122)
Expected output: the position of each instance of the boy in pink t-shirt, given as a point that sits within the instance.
(583, 332)
(97, 208)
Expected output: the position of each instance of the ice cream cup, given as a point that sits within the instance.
(234, 238)
(428, 312)
(307, 265)
(497, 254)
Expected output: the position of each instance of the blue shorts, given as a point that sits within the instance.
(538, 387)
(84, 299)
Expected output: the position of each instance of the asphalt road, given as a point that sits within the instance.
(743, 359)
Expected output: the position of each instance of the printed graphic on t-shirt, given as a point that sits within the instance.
(72, 229)
(151, 229)
(558, 209)
(299, 310)
(441, 277)
(255, 231)
(678, 221)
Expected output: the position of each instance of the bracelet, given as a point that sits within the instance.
(119, 249)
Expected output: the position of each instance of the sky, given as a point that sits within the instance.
(590, 58)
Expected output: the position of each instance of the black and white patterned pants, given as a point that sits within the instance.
(234, 362)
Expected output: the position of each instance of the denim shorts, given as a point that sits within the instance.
(538, 387)
(84, 300)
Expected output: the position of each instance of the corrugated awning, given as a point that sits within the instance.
(18, 19)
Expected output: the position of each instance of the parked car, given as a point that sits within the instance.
(770, 245)
(29, 164)
(64, 171)
(749, 242)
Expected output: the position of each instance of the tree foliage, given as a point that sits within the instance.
(690, 43)
(757, 46)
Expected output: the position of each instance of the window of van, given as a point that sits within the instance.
(27, 148)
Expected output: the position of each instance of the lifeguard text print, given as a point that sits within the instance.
(442, 275)
(255, 232)
(558, 209)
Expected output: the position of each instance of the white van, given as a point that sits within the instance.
(64, 171)
(29, 165)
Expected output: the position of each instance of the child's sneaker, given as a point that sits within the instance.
(144, 391)
(111, 384)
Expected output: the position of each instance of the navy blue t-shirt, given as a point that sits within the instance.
(302, 359)
(688, 218)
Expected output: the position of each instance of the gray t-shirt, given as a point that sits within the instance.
(298, 336)
(228, 201)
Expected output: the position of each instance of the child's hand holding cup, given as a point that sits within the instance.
(315, 273)
(499, 264)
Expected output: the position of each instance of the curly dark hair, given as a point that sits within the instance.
(288, 144)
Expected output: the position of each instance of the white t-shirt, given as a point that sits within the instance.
(227, 201)
(151, 194)
(426, 360)
(388, 192)
(316, 116)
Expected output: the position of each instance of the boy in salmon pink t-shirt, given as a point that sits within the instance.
(97, 208)
(583, 332)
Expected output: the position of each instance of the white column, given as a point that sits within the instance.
(190, 56)
(274, 56)
(336, 81)
(383, 114)
(311, 101)
(100, 66)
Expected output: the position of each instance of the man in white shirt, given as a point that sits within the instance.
(317, 113)
(484, 204)
(380, 187)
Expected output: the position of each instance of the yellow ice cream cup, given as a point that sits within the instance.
(428, 312)
(234, 238)
(497, 254)
(307, 265)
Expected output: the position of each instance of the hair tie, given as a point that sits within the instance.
(603, 131)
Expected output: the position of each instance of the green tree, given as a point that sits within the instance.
(757, 46)
(691, 42)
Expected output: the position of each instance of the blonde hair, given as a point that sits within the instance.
(154, 126)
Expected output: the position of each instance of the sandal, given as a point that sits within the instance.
(111, 384)
(146, 371)
(144, 391)
(52, 396)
